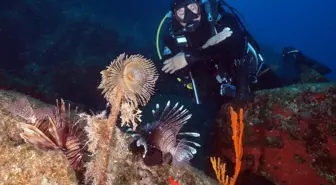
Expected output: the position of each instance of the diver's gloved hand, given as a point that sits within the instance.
(228, 90)
(218, 37)
(175, 63)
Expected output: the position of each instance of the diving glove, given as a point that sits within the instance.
(228, 90)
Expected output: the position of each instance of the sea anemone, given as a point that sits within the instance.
(162, 141)
(58, 131)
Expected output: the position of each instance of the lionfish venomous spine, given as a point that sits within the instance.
(164, 135)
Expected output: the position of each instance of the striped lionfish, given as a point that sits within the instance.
(161, 141)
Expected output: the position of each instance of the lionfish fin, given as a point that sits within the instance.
(192, 134)
(182, 153)
(156, 111)
(194, 143)
(31, 134)
(174, 117)
(54, 132)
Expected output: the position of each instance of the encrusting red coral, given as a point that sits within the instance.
(172, 181)
(289, 135)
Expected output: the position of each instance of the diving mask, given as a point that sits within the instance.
(187, 13)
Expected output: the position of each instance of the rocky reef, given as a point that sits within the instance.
(23, 164)
(125, 168)
(289, 135)
(289, 138)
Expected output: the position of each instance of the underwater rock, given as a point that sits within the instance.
(23, 164)
(310, 75)
(289, 135)
(128, 168)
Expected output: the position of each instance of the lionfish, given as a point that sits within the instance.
(162, 141)
(51, 129)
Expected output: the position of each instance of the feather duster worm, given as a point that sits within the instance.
(52, 129)
(126, 83)
(162, 140)
(131, 78)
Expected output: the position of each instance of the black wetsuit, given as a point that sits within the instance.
(206, 63)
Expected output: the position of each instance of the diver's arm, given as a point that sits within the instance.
(233, 46)
(172, 83)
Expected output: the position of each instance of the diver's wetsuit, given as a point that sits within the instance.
(205, 64)
(232, 47)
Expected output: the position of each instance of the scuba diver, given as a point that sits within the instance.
(209, 49)
(299, 68)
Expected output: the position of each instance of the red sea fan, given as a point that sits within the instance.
(54, 129)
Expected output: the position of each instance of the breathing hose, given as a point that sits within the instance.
(168, 15)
